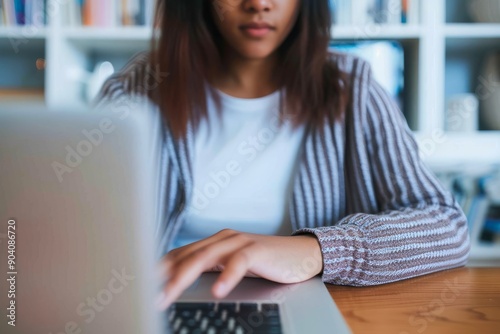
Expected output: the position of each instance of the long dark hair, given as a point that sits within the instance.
(188, 48)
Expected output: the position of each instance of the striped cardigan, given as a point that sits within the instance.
(361, 188)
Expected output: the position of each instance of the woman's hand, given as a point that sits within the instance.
(280, 259)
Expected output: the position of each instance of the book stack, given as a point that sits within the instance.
(362, 12)
(22, 12)
(110, 13)
(491, 231)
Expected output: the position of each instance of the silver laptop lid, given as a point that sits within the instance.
(77, 209)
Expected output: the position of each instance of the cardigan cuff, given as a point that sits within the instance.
(345, 253)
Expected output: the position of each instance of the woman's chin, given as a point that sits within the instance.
(256, 53)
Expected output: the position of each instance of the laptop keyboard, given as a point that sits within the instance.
(215, 318)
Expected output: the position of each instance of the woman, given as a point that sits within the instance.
(296, 156)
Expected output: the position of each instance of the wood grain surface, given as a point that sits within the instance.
(463, 300)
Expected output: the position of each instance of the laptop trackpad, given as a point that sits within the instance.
(247, 289)
(193, 286)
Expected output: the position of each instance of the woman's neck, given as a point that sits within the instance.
(247, 78)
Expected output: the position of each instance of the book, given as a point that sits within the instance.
(332, 4)
(414, 12)
(22, 12)
(476, 216)
(73, 14)
(9, 13)
(113, 13)
(28, 8)
(19, 9)
(149, 7)
(363, 12)
(380, 14)
(394, 12)
(404, 11)
(340, 11)
(35, 12)
(491, 230)
(126, 18)
(141, 14)
(87, 13)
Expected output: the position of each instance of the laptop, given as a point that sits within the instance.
(78, 211)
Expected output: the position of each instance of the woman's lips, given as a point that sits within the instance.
(256, 30)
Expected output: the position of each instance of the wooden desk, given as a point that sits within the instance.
(463, 300)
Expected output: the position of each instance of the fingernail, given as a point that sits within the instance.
(220, 289)
(161, 301)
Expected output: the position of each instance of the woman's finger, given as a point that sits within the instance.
(235, 269)
(190, 268)
(169, 261)
(177, 255)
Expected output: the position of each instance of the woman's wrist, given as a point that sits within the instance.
(313, 260)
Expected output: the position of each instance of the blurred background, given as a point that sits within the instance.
(439, 59)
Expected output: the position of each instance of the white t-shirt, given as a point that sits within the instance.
(243, 168)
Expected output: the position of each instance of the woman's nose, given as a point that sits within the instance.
(258, 5)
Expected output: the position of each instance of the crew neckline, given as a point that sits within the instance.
(249, 104)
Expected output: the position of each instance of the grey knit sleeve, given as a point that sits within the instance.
(419, 228)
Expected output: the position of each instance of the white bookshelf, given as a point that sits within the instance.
(455, 149)
(24, 32)
(110, 39)
(23, 39)
(444, 33)
(474, 30)
(394, 32)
